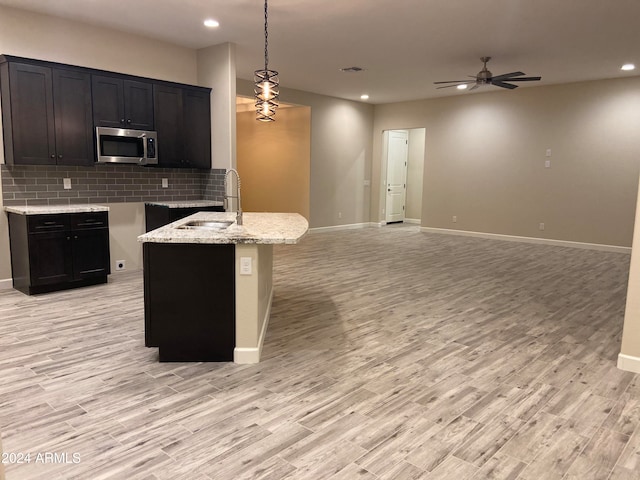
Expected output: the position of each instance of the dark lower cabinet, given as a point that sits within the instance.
(189, 301)
(156, 216)
(55, 252)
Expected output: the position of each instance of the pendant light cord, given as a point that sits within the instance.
(266, 37)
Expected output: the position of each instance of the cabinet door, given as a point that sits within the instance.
(169, 119)
(50, 258)
(138, 105)
(197, 128)
(73, 120)
(90, 253)
(32, 125)
(108, 101)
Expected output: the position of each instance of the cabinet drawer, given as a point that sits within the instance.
(47, 223)
(89, 220)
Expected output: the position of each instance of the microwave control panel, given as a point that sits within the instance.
(151, 148)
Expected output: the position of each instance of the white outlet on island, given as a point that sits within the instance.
(66, 183)
(165, 183)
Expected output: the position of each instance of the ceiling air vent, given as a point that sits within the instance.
(351, 69)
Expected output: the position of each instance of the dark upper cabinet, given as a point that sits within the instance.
(183, 123)
(46, 115)
(72, 117)
(169, 112)
(197, 127)
(121, 103)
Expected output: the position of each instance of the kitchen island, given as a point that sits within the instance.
(208, 284)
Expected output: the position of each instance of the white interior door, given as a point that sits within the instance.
(397, 154)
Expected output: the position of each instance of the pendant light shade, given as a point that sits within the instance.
(266, 82)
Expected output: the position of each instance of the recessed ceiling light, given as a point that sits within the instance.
(628, 67)
(211, 23)
(462, 87)
(364, 97)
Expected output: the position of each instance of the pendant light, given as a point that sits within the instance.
(266, 83)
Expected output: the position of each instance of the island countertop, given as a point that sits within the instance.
(263, 228)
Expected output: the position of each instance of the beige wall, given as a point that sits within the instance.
(485, 157)
(340, 155)
(415, 172)
(44, 37)
(274, 161)
(126, 222)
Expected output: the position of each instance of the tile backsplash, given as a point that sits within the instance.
(106, 183)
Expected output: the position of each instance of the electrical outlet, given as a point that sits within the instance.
(547, 163)
(120, 265)
(454, 219)
(165, 183)
(66, 183)
(548, 153)
(541, 226)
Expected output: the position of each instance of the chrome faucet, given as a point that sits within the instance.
(237, 195)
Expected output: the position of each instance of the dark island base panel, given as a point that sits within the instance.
(189, 301)
(35, 290)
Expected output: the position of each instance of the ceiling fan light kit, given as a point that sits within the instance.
(485, 77)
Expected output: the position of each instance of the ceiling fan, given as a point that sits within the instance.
(485, 77)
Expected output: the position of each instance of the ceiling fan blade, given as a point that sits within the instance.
(505, 76)
(503, 85)
(475, 86)
(454, 81)
(449, 86)
(524, 79)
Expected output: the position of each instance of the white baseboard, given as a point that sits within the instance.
(6, 283)
(412, 220)
(628, 363)
(351, 226)
(245, 355)
(543, 241)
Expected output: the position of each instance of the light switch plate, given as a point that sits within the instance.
(245, 266)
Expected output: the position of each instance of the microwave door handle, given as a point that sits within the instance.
(144, 148)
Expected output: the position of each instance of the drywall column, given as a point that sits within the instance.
(217, 70)
(629, 356)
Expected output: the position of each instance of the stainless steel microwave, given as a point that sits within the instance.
(121, 145)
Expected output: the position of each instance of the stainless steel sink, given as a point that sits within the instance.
(207, 224)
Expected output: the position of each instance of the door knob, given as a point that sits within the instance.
(53, 155)
(60, 156)
(122, 120)
(129, 120)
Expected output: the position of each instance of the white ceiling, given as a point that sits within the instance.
(403, 45)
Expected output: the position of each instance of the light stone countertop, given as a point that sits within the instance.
(187, 204)
(266, 228)
(53, 209)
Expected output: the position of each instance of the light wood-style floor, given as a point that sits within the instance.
(391, 354)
